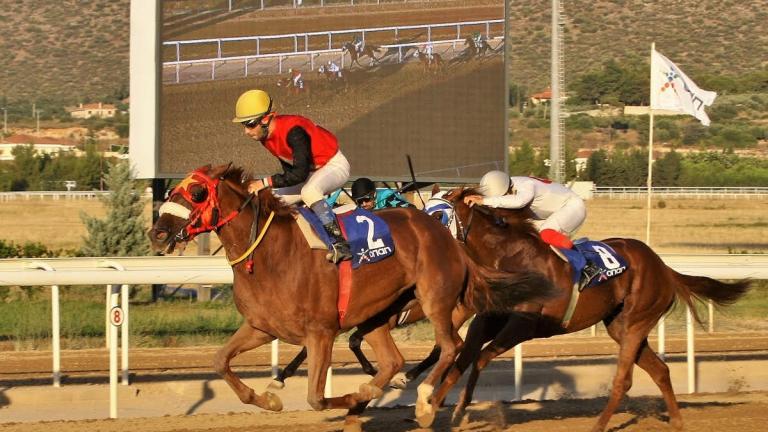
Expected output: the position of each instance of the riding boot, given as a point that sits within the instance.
(340, 249)
(588, 273)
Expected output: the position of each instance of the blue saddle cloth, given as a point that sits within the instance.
(368, 235)
(598, 253)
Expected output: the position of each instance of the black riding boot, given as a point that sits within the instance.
(588, 273)
(341, 250)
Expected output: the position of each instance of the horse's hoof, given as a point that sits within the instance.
(273, 401)
(676, 423)
(276, 385)
(425, 414)
(370, 392)
(353, 425)
(459, 418)
(400, 381)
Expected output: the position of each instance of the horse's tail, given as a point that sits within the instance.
(491, 290)
(701, 288)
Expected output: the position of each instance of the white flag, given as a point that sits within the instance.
(672, 90)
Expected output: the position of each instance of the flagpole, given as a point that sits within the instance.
(650, 155)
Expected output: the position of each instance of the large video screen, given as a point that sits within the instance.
(424, 79)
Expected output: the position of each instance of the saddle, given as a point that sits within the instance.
(368, 235)
(585, 252)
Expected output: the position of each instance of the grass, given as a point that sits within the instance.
(683, 226)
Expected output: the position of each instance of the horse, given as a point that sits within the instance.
(434, 65)
(289, 85)
(630, 304)
(474, 49)
(368, 50)
(286, 290)
(335, 80)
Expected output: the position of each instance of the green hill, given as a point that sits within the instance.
(71, 50)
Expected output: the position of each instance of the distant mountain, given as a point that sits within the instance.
(70, 50)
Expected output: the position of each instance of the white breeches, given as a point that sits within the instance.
(325, 180)
(567, 219)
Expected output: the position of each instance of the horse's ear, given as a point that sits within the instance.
(220, 171)
(435, 189)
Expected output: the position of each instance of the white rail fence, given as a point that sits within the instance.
(215, 270)
(309, 49)
(632, 192)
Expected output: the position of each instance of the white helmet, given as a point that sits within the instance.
(494, 183)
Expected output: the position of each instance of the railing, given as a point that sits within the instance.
(215, 270)
(301, 41)
(278, 63)
(56, 195)
(638, 192)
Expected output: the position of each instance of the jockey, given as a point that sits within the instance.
(478, 38)
(296, 78)
(429, 48)
(558, 210)
(312, 162)
(365, 196)
(334, 68)
(359, 44)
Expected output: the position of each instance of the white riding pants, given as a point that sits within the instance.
(325, 180)
(567, 219)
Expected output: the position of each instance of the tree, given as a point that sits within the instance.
(122, 232)
(666, 171)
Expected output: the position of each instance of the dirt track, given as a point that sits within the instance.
(744, 412)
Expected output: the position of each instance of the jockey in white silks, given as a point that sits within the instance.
(558, 211)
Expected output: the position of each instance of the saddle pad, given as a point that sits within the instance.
(604, 257)
(312, 238)
(368, 235)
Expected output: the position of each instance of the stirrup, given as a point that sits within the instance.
(338, 253)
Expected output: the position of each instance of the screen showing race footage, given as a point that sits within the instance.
(424, 79)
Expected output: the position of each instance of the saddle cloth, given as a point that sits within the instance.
(368, 235)
(610, 262)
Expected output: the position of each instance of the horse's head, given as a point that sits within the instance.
(449, 208)
(199, 203)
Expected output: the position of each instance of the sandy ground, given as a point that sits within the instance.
(564, 383)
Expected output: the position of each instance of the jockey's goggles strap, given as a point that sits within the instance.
(255, 243)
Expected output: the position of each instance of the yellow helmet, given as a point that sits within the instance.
(252, 104)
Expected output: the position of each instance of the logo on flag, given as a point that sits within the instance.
(672, 90)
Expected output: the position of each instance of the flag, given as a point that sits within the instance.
(672, 90)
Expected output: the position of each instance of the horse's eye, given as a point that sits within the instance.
(199, 193)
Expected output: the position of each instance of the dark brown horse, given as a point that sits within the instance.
(630, 304)
(474, 49)
(355, 56)
(335, 80)
(291, 88)
(288, 291)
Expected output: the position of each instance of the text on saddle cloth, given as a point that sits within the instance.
(611, 263)
(368, 235)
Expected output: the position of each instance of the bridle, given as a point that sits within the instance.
(205, 215)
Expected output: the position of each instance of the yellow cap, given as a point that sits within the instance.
(252, 104)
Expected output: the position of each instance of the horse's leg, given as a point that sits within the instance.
(290, 370)
(630, 344)
(657, 370)
(354, 344)
(447, 338)
(245, 338)
(518, 328)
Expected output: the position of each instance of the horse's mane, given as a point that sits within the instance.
(238, 177)
(519, 219)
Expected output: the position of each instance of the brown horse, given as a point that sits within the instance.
(435, 65)
(335, 80)
(368, 50)
(288, 291)
(630, 304)
(291, 88)
(473, 49)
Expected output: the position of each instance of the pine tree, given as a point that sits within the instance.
(123, 231)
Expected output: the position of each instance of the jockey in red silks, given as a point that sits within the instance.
(312, 162)
(558, 210)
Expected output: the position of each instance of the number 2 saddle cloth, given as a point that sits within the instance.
(368, 235)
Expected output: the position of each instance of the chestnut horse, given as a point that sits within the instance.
(288, 291)
(630, 304)
(355, 56)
